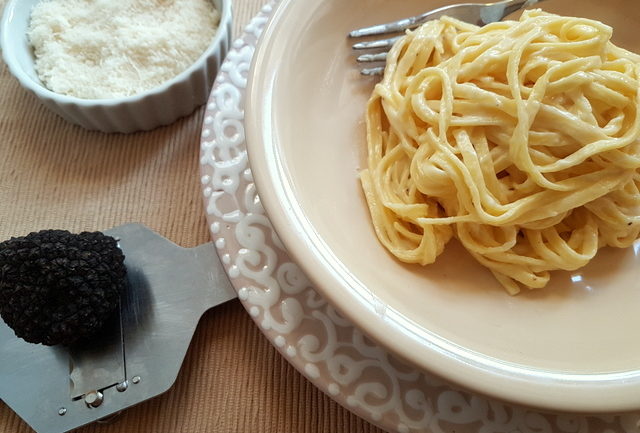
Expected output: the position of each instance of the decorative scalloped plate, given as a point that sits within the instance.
(312, 335)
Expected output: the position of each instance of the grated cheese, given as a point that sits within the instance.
(111, 48)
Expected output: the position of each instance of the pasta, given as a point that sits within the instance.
(520, 138)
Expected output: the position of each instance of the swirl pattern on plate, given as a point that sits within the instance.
(315, 338)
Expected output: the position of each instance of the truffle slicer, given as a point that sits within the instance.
(138, 355)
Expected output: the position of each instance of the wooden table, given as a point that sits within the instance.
(56, 175)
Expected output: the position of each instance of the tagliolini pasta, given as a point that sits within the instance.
(519, 138)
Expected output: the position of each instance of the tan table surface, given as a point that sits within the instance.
(56, 175)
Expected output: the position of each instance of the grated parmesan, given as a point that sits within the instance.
(97, 49)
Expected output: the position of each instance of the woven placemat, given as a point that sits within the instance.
(56, 175)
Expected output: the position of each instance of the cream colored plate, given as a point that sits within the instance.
(332, 353)
(573, 346)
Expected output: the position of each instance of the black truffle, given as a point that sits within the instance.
(57, 287)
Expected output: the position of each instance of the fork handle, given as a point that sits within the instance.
(488, 13)
(496, 11)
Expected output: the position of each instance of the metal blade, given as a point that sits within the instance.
(100, 363)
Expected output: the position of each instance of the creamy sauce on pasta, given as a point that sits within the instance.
(521, 139)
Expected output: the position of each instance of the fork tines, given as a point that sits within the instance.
(376, 44)
(382, 46)
(379, 49)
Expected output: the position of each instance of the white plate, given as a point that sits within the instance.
(572, 346)
(315, 339)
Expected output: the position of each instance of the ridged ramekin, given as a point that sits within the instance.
(159, 106)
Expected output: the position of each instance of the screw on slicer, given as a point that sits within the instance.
(94, 399)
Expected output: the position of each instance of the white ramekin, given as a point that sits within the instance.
(161, 105)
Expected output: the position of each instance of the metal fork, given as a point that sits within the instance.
(474, 13)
